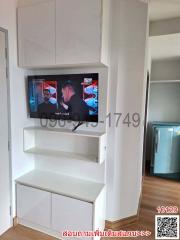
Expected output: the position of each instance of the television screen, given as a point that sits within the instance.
(68, 97)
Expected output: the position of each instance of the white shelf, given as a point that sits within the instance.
(65, 144)
(164, 81)
(61, 154)
(67, 131)
(61, 184)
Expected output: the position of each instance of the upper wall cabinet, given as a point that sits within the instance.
(78, 31)
(57, 33)
(36, 34)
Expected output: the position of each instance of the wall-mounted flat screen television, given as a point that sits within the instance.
(68, 97)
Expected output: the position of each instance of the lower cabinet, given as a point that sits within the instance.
(71, 214)
(53, 213)
(34, 205)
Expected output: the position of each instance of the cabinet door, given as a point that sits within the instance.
(71, 214)
(34, 205)
(36, 34)
(78, 31)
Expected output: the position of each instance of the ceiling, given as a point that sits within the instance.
(164, 9)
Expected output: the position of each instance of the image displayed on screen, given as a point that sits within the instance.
(69, 97)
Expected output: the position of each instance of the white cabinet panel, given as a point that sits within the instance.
(78, 31)
(34, 205)
(36, 34)
(56, 33)
(71, 214)
(102, 149)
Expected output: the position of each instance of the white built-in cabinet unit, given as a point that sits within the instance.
(63, 33)
(54, 203)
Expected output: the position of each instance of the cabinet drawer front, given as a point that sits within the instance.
(34, 205)
(71, 214)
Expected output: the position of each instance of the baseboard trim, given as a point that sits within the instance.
(117, 225)
(39, 228)
(15, 221)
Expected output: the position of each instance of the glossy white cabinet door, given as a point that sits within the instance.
(34, 205)
(36, 34)
(78, 31)
(71, 214)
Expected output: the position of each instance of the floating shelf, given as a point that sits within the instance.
(67, 131)
(65, 144)
(164, 81)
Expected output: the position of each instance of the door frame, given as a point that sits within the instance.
(145, 123)
(5, 31)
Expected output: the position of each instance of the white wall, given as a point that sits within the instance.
(165, 70)
(164, 27)
(164, 102)
(21, 162)
(127, 95)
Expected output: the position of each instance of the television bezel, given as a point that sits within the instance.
(35, 115)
